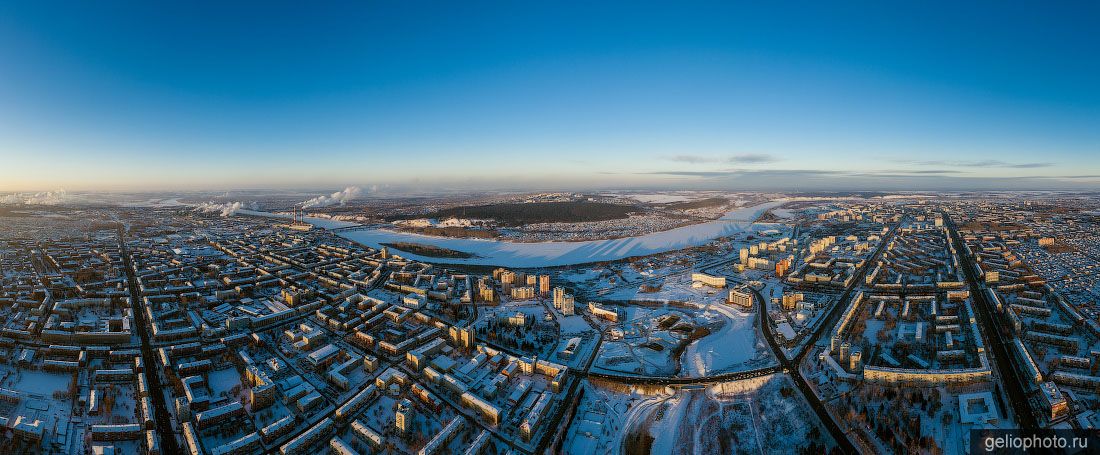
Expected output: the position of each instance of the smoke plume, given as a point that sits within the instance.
(42, 198)
(338, 198)
(226, 209)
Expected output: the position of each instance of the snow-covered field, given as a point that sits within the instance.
(154, 202)
(755, 416)
(649, 348)
(753, 212)
(549, 254)
(326, 223)
(675, 285)
(661, 198)
(36, 382)
(783, 213)
(734, 344)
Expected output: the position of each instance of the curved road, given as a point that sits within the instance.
(673, 380)
(785, 366)
(790, 366)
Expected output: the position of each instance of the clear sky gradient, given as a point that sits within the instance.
(550, 95)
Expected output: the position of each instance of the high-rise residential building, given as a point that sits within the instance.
(855, 360)
(741, 298)
(462, 337)
(523, 293)
(559, 293)
(486, 294)
(567, 305)
(790, 301)
(544, 284)
(403, 418)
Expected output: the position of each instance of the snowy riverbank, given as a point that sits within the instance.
(550, 254)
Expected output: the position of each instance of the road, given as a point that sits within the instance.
(569, 404)
(42, 268)
(671, 380)
(164, 423)
(786, 366)
(1007, 363)
(791, 368)
(837, 309)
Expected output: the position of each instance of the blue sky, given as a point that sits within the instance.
(801, 96)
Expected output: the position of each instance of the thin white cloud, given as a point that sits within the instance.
(743, 158)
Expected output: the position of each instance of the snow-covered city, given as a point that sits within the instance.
(549, 228)
(870, 323)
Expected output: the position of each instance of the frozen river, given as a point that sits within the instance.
(548, 254)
